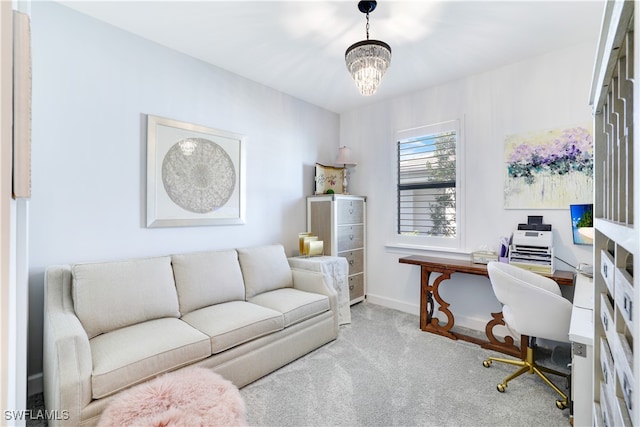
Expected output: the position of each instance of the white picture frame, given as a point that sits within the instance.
(195, 175)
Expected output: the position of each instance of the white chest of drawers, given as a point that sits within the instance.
(339, 220)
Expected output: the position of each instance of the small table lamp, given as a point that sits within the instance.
(344, 158)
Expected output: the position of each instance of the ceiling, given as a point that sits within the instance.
(297, 47)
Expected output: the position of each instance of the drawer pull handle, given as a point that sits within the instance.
(351, 262)
(351, 287)
(350, 211)
(627, 303)
(627, 392)
(350, 236)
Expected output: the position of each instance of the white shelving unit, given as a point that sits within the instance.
(616, 367)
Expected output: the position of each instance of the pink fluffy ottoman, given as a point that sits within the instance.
(192, 397)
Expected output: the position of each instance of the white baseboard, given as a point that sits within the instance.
(394, 304)
(34, 384)
(463, 321)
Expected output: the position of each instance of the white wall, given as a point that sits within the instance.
(92, 87)
(541, 93)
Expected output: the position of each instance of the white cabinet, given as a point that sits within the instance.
(616, 366)
(339, 220)
(581, 336)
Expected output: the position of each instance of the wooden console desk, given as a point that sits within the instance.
(429, 292)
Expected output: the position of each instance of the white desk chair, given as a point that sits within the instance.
(531, 305)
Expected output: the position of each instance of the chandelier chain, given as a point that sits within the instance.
(367, 25)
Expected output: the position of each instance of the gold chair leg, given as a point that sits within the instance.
(565, 400)
(516, 374)
(508, 361)
(552, 371)
(529, 365)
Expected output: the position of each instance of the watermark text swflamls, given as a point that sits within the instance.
(39, 414)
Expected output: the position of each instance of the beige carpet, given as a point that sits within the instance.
(384, 371)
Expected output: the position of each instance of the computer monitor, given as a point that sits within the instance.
(582, 223)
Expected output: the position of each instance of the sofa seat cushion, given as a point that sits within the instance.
(207, 278)
(294, 304)
(111, 295)
(233, 323)
(136, 353)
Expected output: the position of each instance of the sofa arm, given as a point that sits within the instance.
(312, 281)
(67, 364)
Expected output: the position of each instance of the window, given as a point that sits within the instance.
(428, 177)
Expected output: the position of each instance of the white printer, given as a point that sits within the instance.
(534, 238)
(532, 249)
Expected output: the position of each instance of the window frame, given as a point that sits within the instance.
(446, 244)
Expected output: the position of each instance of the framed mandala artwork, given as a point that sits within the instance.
(195, 175)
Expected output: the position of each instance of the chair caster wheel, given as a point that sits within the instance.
(486, 363)
(501, 387)
(561, 404)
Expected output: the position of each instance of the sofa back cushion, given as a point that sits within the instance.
(264, 268)
(207, 278)
(112, 295)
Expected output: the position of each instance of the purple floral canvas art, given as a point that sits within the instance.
(549, 169)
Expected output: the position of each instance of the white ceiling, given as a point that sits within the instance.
(297, 47)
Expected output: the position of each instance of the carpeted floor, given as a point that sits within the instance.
(384, 371)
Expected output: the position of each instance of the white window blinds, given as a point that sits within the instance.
(427, 185)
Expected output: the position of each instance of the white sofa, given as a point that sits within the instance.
(242, 313)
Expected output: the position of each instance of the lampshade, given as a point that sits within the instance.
(344, 157)
(368, 60)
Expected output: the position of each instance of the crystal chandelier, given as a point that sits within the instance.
(368, 60)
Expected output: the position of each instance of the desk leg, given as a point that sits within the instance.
(428, 292)
(507, 345)
(426, 300)
(429, 295)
